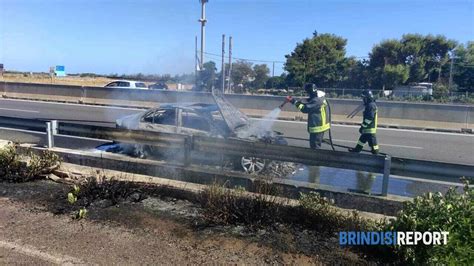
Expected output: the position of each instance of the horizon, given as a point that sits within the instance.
(89, 38)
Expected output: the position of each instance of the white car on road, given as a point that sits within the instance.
(127, 84)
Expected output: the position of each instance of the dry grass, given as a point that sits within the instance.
(46, 79)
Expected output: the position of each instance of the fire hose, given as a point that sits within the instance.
(330, 125)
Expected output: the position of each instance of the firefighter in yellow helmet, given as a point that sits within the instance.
(316, 107)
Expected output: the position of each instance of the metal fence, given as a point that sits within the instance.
(389, 95)
(385, 165)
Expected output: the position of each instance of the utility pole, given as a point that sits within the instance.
(451, 72)
(230, 64)
(203, 30)
(223, 63)
(196, 62)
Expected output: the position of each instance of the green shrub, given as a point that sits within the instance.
(452, 212)
(17, 168)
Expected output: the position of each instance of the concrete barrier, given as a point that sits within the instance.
(140, 98)
(451, 113)
(62, 93)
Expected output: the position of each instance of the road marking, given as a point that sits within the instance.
(19, 110)
(34, 252)
(277, 121)
(380, 128)
(383, 144)
(415, 131)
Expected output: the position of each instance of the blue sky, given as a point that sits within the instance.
(157, 36)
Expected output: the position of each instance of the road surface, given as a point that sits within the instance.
(436, 146)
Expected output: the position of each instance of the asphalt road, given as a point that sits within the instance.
(437, 146)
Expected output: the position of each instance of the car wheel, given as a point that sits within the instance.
(253, 165)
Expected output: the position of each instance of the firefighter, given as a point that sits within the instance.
(316, 107)
(368, 127)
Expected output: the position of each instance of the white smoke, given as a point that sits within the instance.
(262, 127)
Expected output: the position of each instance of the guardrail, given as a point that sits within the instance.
(463, 114)
(385, 165)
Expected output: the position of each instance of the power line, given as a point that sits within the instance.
(246, 59)
(218, 56)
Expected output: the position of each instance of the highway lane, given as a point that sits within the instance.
(438, 146)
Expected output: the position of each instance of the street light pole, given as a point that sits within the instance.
(203, 29)
(230, 65)
(223, 64)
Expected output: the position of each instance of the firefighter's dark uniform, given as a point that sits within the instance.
(318, 119)
(368, 128)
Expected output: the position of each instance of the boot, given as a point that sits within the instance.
(356, 149)
(375, 152)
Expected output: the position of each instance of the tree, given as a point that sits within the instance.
(425, 57)
(388, 52)
(394, 75)
(278, 82)
(463, 72)
(207, 76)
(242, 73)
(319, 60)
(356, 74)
(261, 76)
(435, 51)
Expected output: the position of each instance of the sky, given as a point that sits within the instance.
(158, 36)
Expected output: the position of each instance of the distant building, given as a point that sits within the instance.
(414, 89)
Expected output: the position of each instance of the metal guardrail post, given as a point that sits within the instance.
(49, 134)
(54, 127)
(386, 174)
(51, 130)
(188, 145)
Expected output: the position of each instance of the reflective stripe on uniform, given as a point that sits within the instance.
(323, 114)
(360, 143)
(318, 129)
(369, 130)
(367, 121)
(372, 130)
(376, 147)
(376, 120)
(300, 106)
(324, 124)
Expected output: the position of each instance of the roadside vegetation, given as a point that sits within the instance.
(262, 209)
(452, 212)
(15, 167)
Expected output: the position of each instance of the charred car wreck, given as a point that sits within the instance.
(220, 120)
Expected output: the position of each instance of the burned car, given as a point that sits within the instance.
(221, 120)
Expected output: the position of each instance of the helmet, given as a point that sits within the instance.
(367, 95)
(311, 89)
